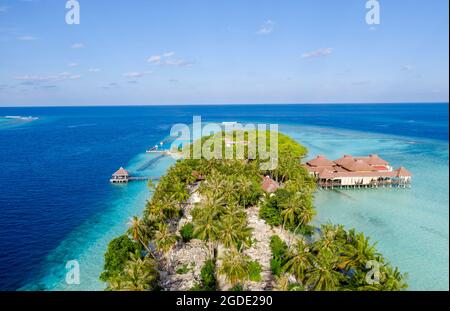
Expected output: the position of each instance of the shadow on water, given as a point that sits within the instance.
(342, 194)
(151, 162)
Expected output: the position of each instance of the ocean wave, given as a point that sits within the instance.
(22, 118)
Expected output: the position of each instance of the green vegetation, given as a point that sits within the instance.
(228, 188)
(279, 254)
(336, 261)
(120, 251)
(236, 267)
(237, 288)
(254, 271)
(187, 232)
(183, 269)
(163, 239)
(208, 277)
(139, 274)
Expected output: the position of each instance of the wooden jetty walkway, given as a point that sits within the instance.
(122, 176)
(140, 178)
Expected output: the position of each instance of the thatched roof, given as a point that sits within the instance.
(320, 160)
(121, 172)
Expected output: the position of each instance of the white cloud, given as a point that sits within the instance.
(3, 8)
(266, 28)
(136, 74)
(177, 62)
(94, 70)
(154, 59)
(168, 59)
(72, 65)
(38, 79)
(77, 46)
(318, 53)
(169, 54)
(27, 38)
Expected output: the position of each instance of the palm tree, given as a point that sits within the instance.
(180, 192)
(139, 274)
(323, 275)
(306, 215)
(151, 185)
(290, 210)
(357, 253)
(170, 206)
(235, 211)
(307, 211)
(245, 187)
(234, 232)
(290, 167)
(282, 282)
(115, 284)
(235, 266)
(299, 260)
(392, 279)
(214, 203)
(328, 240)
(214, 185)
(206, 227)
(163, 239)
(138, 231)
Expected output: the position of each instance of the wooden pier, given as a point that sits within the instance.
(122, 176)
(141, 178)
(166, 152)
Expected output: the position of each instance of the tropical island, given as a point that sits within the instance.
(229, 225)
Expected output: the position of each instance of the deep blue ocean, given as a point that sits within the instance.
(55, 170)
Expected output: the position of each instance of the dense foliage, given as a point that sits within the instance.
(187, 232)
(338, 260)
(208, 277)
(119, 252)
(279, 255)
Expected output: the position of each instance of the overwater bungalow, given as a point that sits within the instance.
(120, 177)
(360, 172)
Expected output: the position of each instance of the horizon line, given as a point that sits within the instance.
(229, 104)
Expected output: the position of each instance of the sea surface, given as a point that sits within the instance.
(57, 205)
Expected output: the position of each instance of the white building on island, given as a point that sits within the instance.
(349, 171)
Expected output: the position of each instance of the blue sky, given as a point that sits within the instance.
(222, 52)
